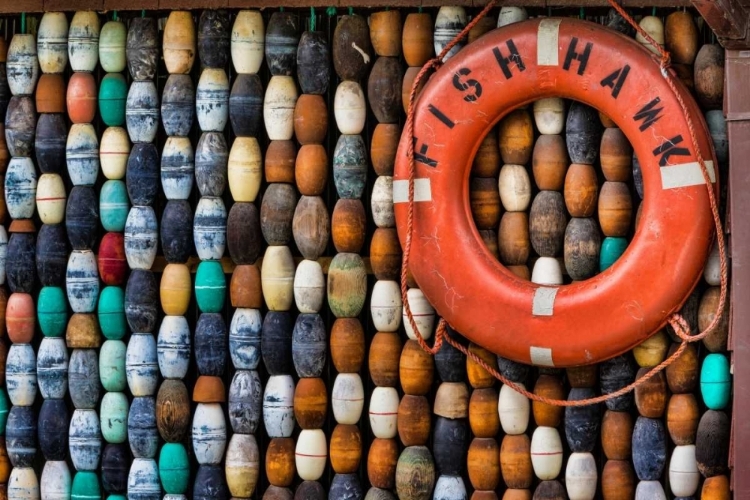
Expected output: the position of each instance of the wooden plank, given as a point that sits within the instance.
(728, 19)
(737, 99)
(71, 5)
(16, 6)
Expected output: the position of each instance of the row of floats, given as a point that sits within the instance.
(121, 360)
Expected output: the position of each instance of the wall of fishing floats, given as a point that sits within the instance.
(151, 162)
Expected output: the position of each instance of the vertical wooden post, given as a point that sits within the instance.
(737, 106)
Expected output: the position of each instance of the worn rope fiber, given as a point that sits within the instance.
(676, 321)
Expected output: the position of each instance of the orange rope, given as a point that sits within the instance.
(678, 323)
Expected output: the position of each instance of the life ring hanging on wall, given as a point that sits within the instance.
(580, 323)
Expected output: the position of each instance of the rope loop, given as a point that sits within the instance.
(676, 321)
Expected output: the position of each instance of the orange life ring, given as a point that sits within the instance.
(585, 322)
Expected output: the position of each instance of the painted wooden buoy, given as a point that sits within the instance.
(617, 432)
(683, 471)
(142, 433)
(280, 464)
(245, 169)
(83, 41)
(212, 100)
(310, 119)
(415, 473)
(515, 187)
(141, 367)
(176, 230)
(417, 39)
(310, 225)
(547, 415)
(178, 105)
(177, 168)
(142, 111)
(277, 213)
(716, 341)
(276, 342)
(52, 42)
(385, 254)
(173, 347)
(112, 96)
(614, 374)
(349, 166)
(211, 344)
(349, 107)
(709, 76)
(244, 338)
(247, 41)
(213, 38)
(310, 170)
(83, 378)
(347, 345)
(712, 443)
(450, 488)
(651, 396)
(582, 422)
(210, 228)
(82, 154)
(385, 307)
(583, 133)
(414, 420)
(141, 236)
(549, 115)
(49, 143)
(20, 375)
(82, 281)
(113, 152)
(111, 311)
(649, 448)
(715, 381)
(509, 15)
(51, 311)
(56, 482)
(383, 412)
(450, 442)
(113, 417)
(174, 468)
(50, 94)
(279, 162)
(23, 484)
(618, 479)
(514, 409)
(52, 368)
(141, 301)
(310, 454)
(20, 318)
(113, 205)
(51, 255)
(143, 480)
(381, 463)
(210, 483)
(346, 285)
(85, 440)
(309, 287)
(309, 345)
(142, 173)
(385, 32)
(20, 125)
(83, 332)
(53, 429)
(20, 188)
(209, 433)
(278, 107)
(655, 29)
(172, 410)
(282, 38)
(82, 217)
(346, 449)
(310, 403)
(22, 64)
(550, 162)
(483, 464)
(416, 370)
(313, 63)
(352, 49)
(112, 369)
(112, 43)
(718, 128)
(716, 487)
(175, 290)
(650, 490)
(682, 418)
(244, 233)
(245, 401)
(142, 48)
(277, 278)
(449, 22)
(211, 157)
(179, 43)
(278, 412)
(210, 287)
(546, 453)
(347, 398)
(81, 98)
(19, 265)
(246, 105)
